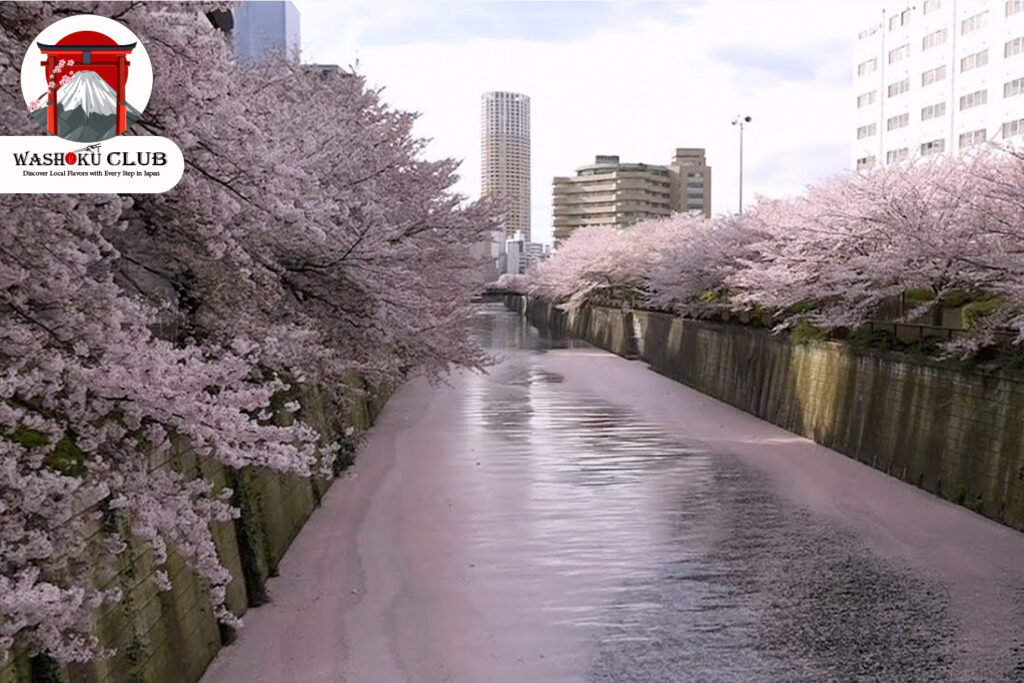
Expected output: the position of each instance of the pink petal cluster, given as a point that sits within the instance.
(53, 85)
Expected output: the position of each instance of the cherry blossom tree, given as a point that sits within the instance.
(695, 261)
(592, 260)
(992, 185)
(604, 260)
(309, 241)
(854, 241)
(513, 282)
(837, 256)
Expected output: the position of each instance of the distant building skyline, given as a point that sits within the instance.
(616, 193)
(505, 156)
(521, 254)
(265, 29)
(680, 69)
(937, 77)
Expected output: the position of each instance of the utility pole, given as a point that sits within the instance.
(741, 121)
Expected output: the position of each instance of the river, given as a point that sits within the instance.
(572, 516)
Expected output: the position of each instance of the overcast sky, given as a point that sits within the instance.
(637, 79)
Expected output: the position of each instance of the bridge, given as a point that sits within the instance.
(491, 293)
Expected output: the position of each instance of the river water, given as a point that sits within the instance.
(571, 516)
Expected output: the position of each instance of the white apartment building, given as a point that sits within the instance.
(505, 156)
(937, 76)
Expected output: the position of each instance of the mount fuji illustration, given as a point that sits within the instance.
(87, 109)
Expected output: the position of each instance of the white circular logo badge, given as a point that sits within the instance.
(86, 78)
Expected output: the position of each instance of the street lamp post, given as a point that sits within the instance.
(741, 121)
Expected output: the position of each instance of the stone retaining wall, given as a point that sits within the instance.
(952, 432)
(171, 636)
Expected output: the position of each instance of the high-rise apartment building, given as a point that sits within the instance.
(937, 76)
(266, 29)
(609, 192)
(505, 156)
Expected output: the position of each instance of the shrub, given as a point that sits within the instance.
(960, 297)
(916, 297)
(806, 333)
(973, 313)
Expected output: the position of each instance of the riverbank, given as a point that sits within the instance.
(572, 517)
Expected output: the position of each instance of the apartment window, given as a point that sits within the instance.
(933, 75)
(1014, 7)
(973, 99)
(975, 137)
(901, 52)
(933, 147)
(899, 87)
(973, 23)
(1013, 47)
(933, 111)
(901, 19)
(896, 155)
(1014, 87)
(1011, 128)
(867, 67)
(931, 5)
(867, 98)
(867, 32)
(933, 39)
(866, 131)
(897, 122)
(974, 61)
(865, 163)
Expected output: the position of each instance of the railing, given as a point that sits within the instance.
(908, 333)
(912, 332)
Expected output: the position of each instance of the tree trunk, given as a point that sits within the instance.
(937, 311)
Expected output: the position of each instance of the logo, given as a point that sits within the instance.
(86, 80)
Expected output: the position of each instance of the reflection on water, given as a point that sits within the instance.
(662, 561)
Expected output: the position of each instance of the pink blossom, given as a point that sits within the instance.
(329, 263)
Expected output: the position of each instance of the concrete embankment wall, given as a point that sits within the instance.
(171, 636)
(956, 433)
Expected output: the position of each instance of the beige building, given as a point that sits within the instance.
(609, 192)
(505, 156)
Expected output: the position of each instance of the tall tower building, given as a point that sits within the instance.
(937, 76)
(505, 156)
(266, 29)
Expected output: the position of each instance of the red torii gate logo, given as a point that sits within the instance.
(88, 51)
(87, 95)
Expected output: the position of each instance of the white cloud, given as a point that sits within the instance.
(637, 89)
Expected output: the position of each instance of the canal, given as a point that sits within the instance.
(571, 516)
